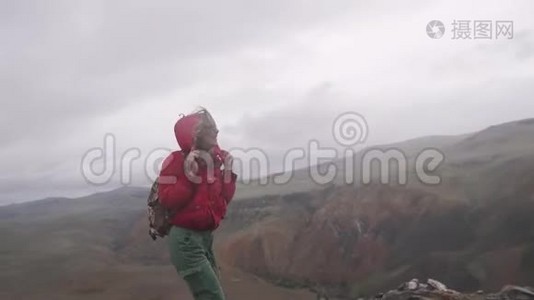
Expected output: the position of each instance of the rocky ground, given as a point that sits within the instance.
(435, 290)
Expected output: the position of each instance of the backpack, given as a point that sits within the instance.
(158, 216)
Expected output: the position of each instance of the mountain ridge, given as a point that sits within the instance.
(472, 231)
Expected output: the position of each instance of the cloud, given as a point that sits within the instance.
(274, 75)
(67, 60)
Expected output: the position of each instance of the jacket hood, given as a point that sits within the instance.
(185, 131)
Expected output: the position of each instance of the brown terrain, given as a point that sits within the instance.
(98, 247)
(474, 230)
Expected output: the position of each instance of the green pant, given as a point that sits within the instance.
(192, 255)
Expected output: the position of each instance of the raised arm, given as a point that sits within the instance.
(228, 185)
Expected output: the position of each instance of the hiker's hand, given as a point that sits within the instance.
(228, 160)
(190, 164)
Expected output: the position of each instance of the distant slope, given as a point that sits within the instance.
(500, 144)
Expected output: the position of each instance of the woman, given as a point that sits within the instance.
(192, 184)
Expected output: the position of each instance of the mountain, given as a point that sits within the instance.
(474, 230)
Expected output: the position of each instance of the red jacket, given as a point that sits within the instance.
(199, 206)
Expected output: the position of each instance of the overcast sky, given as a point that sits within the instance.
(274, 74)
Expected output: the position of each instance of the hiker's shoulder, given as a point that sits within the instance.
(175, 157)
(178, 153)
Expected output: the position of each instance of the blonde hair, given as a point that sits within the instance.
(206, 121)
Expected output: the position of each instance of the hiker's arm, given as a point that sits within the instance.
(228, 186)
(174, 189)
